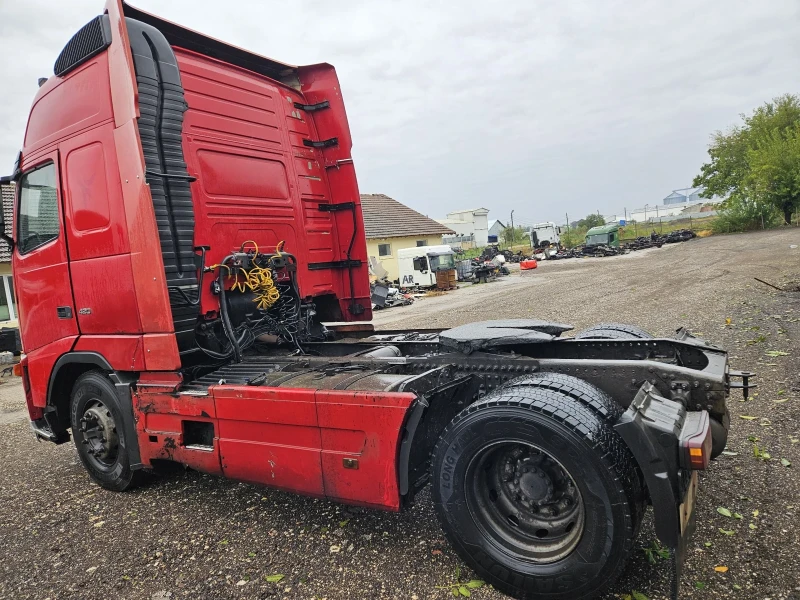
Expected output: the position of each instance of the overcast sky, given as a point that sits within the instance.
(546, 107)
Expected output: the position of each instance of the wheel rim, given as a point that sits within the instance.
(98, 433)
(525, 501)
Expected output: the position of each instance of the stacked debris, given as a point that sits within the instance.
(655, 240)
(602, 250)
(492, 251)
(483, 270)
(385, 296)
(643, 242)
(679, 235)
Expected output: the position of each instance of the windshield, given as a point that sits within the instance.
(596, 239)
(442, 262)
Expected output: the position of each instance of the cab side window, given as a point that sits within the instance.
(38, 221)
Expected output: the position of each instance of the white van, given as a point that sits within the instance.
(418, 266)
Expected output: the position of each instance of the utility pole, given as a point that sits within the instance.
(512, 229)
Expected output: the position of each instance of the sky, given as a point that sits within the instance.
(547, 108)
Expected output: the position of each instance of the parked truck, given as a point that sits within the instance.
(187, 218)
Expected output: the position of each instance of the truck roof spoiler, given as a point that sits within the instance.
(188, 39)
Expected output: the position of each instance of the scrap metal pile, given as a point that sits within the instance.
(490, 252)
(485, 268)
(654, 240)
(385, 296)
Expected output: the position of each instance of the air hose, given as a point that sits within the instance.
(223, 309)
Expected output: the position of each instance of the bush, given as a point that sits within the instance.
(574, 237)
(745, 215)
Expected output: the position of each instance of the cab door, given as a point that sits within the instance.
(40, 261)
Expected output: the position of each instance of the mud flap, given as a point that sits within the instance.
(651, 427)
(123, 383)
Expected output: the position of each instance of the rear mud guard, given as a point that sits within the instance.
(651, 427)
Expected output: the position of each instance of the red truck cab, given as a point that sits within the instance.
(191, 143)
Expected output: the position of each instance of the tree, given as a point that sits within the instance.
(573, 236)
(516, 235)
(756, 165)
(592, 220)
(775, 171)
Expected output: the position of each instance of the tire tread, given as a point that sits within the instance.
(618, 331)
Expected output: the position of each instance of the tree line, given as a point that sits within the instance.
(755, 165)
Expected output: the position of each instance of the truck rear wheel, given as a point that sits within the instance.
(604, 407)
(96, 420)
(613, 331)
(534, 492)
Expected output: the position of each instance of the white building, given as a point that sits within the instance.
(682, 202)
(685, 195)
(496, 228)
(471, 222)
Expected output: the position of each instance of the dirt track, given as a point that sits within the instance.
(197, 536)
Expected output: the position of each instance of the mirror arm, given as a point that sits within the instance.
(8, 240)
(6, 180)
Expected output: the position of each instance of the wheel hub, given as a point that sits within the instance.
(535, 487)
(99, 433)
(527, 500)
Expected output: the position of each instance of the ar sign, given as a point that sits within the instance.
(408, 279)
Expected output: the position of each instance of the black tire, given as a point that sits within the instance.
(613, 331)
(604, 407)
(719, 433)
(575, 438)
(96, 419)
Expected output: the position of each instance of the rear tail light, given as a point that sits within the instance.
(17, 370)
(695, 441)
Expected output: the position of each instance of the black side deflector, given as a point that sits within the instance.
(161, 105)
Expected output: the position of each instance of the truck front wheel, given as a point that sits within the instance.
(533, 491)
(99, 438)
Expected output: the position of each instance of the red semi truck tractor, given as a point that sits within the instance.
(186, 220)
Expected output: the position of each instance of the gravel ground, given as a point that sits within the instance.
(196, 536)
